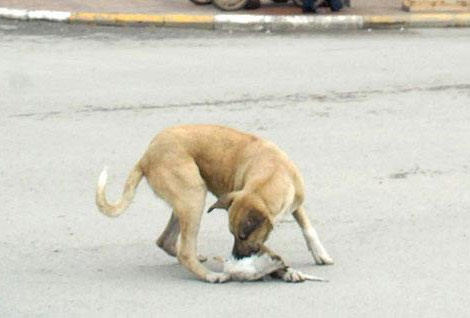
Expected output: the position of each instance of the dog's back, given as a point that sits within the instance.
(216, 150)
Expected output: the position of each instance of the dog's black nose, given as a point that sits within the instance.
(239, 255)
(239, 251)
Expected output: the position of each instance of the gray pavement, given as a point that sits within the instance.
(378, 122)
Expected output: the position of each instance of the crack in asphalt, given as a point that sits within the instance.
(346, 96)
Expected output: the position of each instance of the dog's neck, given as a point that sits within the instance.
(273, 195)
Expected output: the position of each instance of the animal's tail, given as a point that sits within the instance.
(115, 209)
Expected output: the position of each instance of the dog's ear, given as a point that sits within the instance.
(251, 222)
(224, 202)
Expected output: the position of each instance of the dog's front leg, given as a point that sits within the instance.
(319, 253)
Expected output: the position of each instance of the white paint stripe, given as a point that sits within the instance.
(241, 18)
(319, 22)
(34, 14)
(280, 23)
(49, 15)
(13, 13)
(241, 22)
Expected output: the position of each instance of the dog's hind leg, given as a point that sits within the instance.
(169, 238)
(187, 254)
(181, 186)
(319, 253)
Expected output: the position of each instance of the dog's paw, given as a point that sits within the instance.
(323, 259)
(218, 277)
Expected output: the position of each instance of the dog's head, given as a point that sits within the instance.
(249, 221)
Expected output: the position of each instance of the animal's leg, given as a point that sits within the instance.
(181, 186)
(286, 273)
(187, 254)
(319, 253)
(168, 239)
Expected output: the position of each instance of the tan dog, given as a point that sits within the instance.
(252, 178)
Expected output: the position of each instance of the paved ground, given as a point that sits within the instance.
(378, 122)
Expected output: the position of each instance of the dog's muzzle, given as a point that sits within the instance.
(241, 249)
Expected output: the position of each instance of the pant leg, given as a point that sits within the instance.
(307, 5)
(336, 5)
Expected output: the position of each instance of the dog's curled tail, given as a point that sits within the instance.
(117, 208)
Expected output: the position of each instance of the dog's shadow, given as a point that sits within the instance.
(170, 273)
(138, 267)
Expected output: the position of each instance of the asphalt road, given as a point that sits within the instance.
(378, 122)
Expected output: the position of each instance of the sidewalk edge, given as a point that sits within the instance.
(418, 20)
(246, 22)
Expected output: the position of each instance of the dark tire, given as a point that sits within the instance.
(201, 2)
(230, 5)
(279, 1)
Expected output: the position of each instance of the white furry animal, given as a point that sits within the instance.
(257, 266)
(251, 268)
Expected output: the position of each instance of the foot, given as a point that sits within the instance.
(323, 259)
(170, 249)
(217, 277)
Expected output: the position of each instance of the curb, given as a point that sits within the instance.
(418, 20)
(241, 22)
